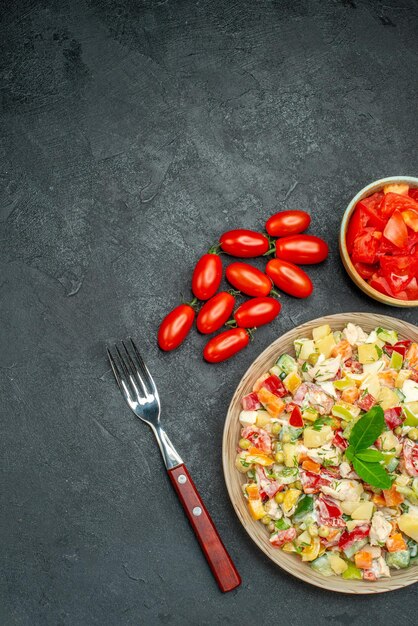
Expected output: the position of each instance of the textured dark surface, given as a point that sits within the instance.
(133, 134)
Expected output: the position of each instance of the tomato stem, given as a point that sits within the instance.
(214, 249)
(231, 323)
(251, 332)
(234, 292)
(192, 303)
(270, 250)
(275, 293)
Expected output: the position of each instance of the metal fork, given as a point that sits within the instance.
(139, 390)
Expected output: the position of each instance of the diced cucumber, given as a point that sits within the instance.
(411, 412)
(322, 566)
(388, 336)
(413, 548)
(350, 551)
(392, 465)
(286, 364)
(398, 560)
(352, 572)
(396, 361)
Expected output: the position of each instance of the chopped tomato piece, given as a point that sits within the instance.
(339, 441)
(392, 497)
(366, 270)
(275, 385)
(410, 217)
(398, 271)
(393, 417)
(366, 402)
(365, 247)
(381, 284)
(396, 202)
(396, 542)
(283, 536)
(295, 419)
(413, 193)
(412, 290)
(356, 225)
(396, 231)
(251, 402)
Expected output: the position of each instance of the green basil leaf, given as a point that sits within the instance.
(372, 473)
(367, 429)
(372, 456)
(349, 453)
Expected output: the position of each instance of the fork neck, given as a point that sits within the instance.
(170, 455)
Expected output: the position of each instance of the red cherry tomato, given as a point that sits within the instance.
(289, 278)
(287, 223)
(225, 345)
(175, 327)
(256, 312)
(215, 312)
(248, 279)
(207, 276)
(302, 249)
(244, 243)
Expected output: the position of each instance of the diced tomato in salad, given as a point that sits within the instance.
(382, 241)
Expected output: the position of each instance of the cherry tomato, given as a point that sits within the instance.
(248, 279)
(207, 276)
(225, 345)
(215, 312)
(175, 327)
(244, 243)
(256, 312)
(287, 223)
(302, 249)
(289, 278)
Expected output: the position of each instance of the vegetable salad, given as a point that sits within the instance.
(329, 450)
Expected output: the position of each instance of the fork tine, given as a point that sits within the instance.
(122, 384)
(114, 367)
(143, 367)
(134, 374)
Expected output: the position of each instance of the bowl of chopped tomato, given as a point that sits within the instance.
(379, 240)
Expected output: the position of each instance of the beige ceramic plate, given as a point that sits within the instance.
(289, 562)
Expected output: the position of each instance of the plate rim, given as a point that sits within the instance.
(384, 585)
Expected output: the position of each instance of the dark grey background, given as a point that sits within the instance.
(134, 133)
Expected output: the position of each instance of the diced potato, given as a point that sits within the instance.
(363, 511)
(349, 506)
(326, 345)
(292, 382)
(369, 353)
(408, 524)
(317, 438)
(338, 565)
(289, 452)
(290, 498)
(372, 384)
(241, 463)
(263, 418)
(400, 188)
(390, 441)
(248, 418)
(307, 348)
(387, 398)
(321, 331)
(353, 523)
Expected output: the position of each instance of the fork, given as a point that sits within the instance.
(138, 388)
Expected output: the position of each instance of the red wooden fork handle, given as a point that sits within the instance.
(214, 550)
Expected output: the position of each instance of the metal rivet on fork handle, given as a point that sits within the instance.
(197, 511)
(182, 479)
